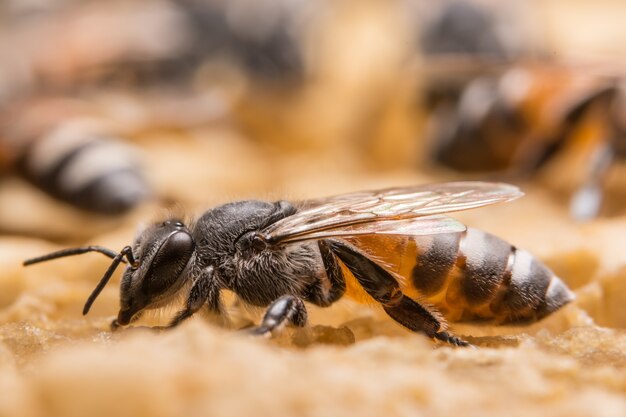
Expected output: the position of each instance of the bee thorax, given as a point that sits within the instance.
(260, 277)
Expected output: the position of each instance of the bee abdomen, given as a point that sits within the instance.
(485, 261)
(511, 282)
(475, 274)
(85, 168)
(436, 257)
(532, 292)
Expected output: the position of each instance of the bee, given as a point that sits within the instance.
(530, 117)
(501, 105)
(160, 45)
(274, 255)
(72, 156)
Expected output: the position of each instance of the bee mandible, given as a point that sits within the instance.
(274, 255)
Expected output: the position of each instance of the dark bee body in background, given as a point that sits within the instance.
(465, 43)
(261, 38)
(517, 119)
(94, 173)
(465, 27)
(157, 46)
(524, 119)
(500, 107)
(457, 36)
(72, 156)
(270, 254)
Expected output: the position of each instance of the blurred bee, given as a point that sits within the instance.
(389, 247)
(526, 118)
(469, 28)
(156, 63)
(165, 43)
(498, 106)
(74, 158)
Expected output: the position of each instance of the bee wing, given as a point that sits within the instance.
(387, 210)
(427, 225)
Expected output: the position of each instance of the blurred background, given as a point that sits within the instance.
(112, 112)
(106, 105)
(115, 112)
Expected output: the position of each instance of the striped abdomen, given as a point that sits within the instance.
(473, 275)
(84, 168)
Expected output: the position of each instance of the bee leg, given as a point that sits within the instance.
(374, 279)
(287, 308)
(418, 318)
(204, 290)
(453, 340)
(385, 289)
(115, 324)
(320, 296)
(586, 202)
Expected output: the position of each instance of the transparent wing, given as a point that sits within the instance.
(387, 209)
(427, 225)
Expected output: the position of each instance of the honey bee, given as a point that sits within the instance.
(277, 256)
(527, 117)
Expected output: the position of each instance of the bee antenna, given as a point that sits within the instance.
(117, 259)
(70, 252)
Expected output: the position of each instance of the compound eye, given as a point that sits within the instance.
(169, 262)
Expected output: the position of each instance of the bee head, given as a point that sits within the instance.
(155, 272)
(162, 253)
